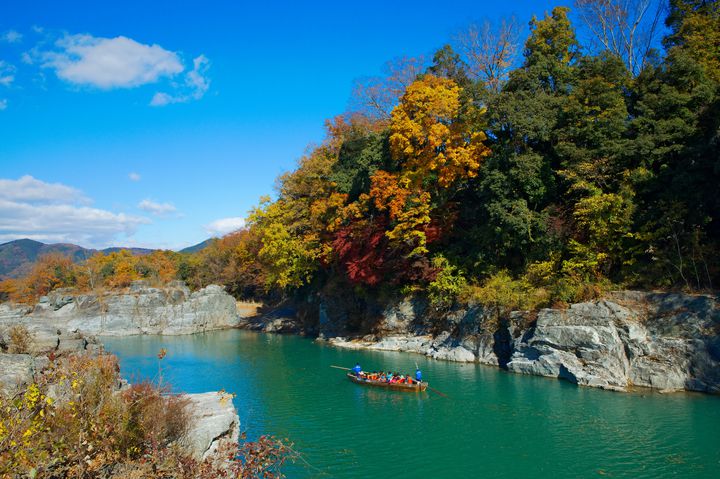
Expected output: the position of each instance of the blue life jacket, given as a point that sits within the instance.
(418, 375)
(357, 369)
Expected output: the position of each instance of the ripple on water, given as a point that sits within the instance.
(493, 424)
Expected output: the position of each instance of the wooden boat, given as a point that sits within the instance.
(414, 387)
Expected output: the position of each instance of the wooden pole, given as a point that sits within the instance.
(340, 367)
(432, 389)
(437, 392)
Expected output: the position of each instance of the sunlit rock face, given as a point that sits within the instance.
(142, 310)
(214, 423)
(665, 341)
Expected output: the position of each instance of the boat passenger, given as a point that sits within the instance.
(357, 369)
(418, 375)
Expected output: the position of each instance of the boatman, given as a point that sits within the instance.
(357, 369)
(418, 375)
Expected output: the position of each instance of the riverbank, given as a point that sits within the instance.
(664, 341)
(49, 351)
(28, 358)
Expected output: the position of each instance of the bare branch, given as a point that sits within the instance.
(626, 28)
(376, 97)
(489, 50)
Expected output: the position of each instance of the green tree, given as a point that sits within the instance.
(518, 185)
(448, 64)
(359, 158)
(676, 110)
(596, 193)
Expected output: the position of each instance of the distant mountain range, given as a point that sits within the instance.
(197, 247)
(17, 257)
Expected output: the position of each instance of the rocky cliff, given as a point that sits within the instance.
(665, 341)
(214, 422)
(141, 310)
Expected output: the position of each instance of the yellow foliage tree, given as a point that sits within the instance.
(435, 140)
(429, 134)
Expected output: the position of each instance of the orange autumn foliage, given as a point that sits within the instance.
(50, 272)
(113, 270)
(389, 192)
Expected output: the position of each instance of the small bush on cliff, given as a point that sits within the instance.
(502, 294)
(19, 339)
(447, 285)
(75, 422)
(563, 288)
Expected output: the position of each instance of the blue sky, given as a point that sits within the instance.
(159, 124)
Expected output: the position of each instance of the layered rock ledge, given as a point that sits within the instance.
(63, 324)
(662, 341)
(170, 310)
(666, 341)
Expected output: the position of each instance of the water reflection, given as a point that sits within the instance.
(493, 424)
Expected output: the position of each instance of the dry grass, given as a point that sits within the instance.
(76, 422)
(19, 339)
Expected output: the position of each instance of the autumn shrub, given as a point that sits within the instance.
(76, 421)
(567, 290)
(563, 288)
(501, 294)
(19, 339)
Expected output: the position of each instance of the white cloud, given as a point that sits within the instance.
(157, 208)
(161, 99)
(197, 78)
(3, 104)
(53, 212)
(11, 36)
(7, 73)
(224, 226)
(134, 176)
(107, 63)
(31, 190)
(195, 86)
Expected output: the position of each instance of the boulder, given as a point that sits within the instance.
(213, 423)
(15, 370)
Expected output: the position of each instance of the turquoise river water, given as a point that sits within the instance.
(492, 424)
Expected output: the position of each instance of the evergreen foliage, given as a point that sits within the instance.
(570, 176)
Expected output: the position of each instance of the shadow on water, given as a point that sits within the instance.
(495, 424)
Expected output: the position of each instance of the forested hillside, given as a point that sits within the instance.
(18, 257)
(584, 168)
(579, 170)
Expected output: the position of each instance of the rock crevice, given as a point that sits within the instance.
(666, 341)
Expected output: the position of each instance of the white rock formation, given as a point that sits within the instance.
(142, 310)
(214, 422)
